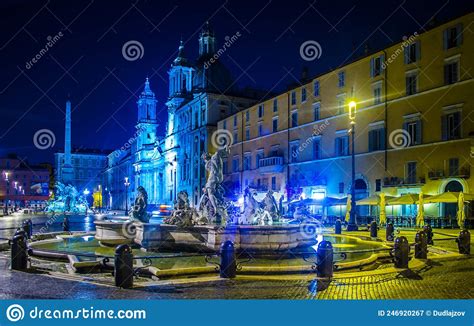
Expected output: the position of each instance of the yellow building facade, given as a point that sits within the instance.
(414, 126)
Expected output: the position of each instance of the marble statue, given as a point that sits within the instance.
(212, 206)
(67, 200)
(183, 214)
(138, 210)
(270, 205)
(256, 212)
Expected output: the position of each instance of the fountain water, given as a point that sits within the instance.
(67, 200)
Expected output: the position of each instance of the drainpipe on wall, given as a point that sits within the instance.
(242, 151)
(288, 145)
(386, 113)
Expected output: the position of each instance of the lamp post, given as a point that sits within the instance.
(126, 183)
(100, 197)
(86, 192)
(7, 189)
(352, 225)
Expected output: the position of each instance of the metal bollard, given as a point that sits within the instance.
(338, 227)
(429, 234)
(325, 261)
(19, 252)
(389, 232)
(421, 245)
(123, 266)
(373, 229)
(228, 265)
(464, 242)
(27, 226)
(401, 249)
(66, 226)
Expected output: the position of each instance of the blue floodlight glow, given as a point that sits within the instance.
(318, 195)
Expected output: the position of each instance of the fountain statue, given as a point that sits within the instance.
(212, 205)
(138, 211)
(260, 213)
(183, 214)
(67, 200)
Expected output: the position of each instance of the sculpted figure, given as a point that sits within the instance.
(138, 211)
(183, 214)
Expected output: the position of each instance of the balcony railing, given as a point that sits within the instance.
(272, 164)
(396, 181)
(464, 172)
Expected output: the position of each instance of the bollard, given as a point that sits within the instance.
(228, 266)
(338, 227)
(429, 234)
(27, 226)
(464, 242)
(421, 245)
(123, 266)
(19, 252)
(66, 224)
(325, 261)
(389, 232)
(401, 249)
(373, 229)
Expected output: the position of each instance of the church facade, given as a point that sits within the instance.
(200, 95)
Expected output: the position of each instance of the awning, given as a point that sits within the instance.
(448, 197)
(372, 200)
(406, 199)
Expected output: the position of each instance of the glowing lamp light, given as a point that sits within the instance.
(318, 195)
(352, 110)
(241, 200)
(86, 192)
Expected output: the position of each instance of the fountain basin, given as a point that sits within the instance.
(113, 233)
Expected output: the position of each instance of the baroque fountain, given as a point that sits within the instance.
(214, 221)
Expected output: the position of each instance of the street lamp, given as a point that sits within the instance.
(7, 189)
(100, 197)
(126, 184)
(86, 192)
(352, 225)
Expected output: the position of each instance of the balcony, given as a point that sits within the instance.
(463, 172)
(272, 164)
(396, 181)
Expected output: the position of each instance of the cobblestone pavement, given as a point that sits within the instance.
(442, 280)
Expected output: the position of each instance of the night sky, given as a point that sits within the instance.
(86, 63)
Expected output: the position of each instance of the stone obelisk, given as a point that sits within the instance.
(67, 171)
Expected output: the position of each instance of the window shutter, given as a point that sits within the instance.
(371, 140)
(446, 74)
(406, 52)
(458, 34)
(418, 50)
(336, 147)
(444, 127)
(382, 138)
(445, 39)
(418, 132)
(372, 67)
(382, 60)
(457, 125)
(346, 145)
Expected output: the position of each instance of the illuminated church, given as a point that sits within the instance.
(200, 94)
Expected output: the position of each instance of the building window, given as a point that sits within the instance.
(341, 80)
(451, 126)
(247, 116)
(293, 98)
(303, 94)
(261, 111)
(376, 139)
(411, 81)
(274, 182)
(316, 149)
(316, 111)
(247, 162)
(275, 105)
(275, 125)
(377, 93)
(411, 172)
(342, 146)
(258, 157)
(235, 164)
(453, 167)
(295, 153)
(376, 66)
(294, 119)
(316, 88)
(412, 52)
(235, 121)
(260, 129)
(451, 72)
(378, 184)
(341, 187)
(236, 137)
(452, 37)
(414, 131)
(341, 101)
(247, 133)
